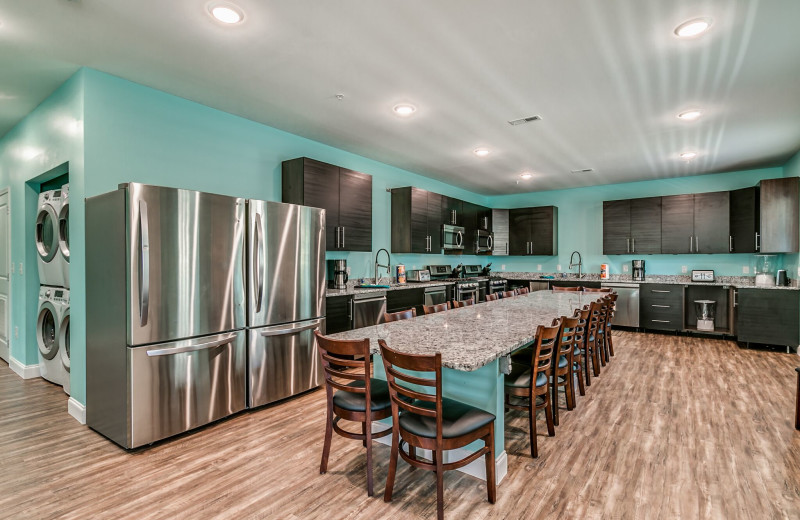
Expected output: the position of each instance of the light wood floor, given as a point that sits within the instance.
(676, 427)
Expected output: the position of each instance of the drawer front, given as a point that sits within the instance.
(403, 299)
(662, 294)
(661, 323)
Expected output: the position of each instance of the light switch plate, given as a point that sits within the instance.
(503, 267)
(558, 268)
(539, 267)
(745, 269)
(624, 268)
(684, 269)
(20, 268)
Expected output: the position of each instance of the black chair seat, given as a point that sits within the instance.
(358, 403)
(457, 419)
(520, 377)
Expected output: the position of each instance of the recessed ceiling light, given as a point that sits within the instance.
(690, 115)
(693, 27)
(525, 175)
(481, 152)
(404, 109)
(226, 13)
(688, 155)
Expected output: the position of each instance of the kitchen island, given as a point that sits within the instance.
(474, 342)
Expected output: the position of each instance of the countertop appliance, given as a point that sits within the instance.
(367, 309)
(337, 274)
(765, 270)
(165, 311)
(705, 310)
(419, 275)
(452, 237)
(703, 275)
(638, 270)
(782, 279)
(484, 241)
(286, 299)
(627, 311)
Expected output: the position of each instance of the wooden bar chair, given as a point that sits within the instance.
(563, 360)
(401, 315)
(566, 289)
(431, 422)
(579, 354)
(609, 339)
(592, 339)
(530, 383)
(602, 329)
(797, 402)
(358, 397)
(597, 289)
(522, 290)
(466, 303)
(508, 294)
(492, 297)
(438, 307)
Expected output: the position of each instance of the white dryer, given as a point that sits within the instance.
(63, 340)
(63, 233)
(50, 259)
(48, 323)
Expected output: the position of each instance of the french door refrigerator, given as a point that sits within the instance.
(165, 301)
(286, 299)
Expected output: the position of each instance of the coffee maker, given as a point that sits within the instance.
(638, 270)
(337, 274)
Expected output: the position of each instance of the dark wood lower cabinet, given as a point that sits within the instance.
(661, 307)
(404, 299)
(337, 314)
(768, 316)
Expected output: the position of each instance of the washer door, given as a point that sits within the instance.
(63, 340)
(47, 331)
(47, 232)
(63, 231)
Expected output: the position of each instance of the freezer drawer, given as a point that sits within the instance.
(282, 361)
(181, 385)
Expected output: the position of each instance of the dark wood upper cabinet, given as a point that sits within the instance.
(416, 221)
(617, 227)
(646, 226)
(744, 217)
(533, 231)
(779, 200)
(345, 195)
(470, 223)
(711, 222)
(484, 218)
(452, 211)
(677, 224)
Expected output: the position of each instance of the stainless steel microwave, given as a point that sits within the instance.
(452, 237)
(484, 241)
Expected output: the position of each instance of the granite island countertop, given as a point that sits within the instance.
(739, 282)
(471, 337)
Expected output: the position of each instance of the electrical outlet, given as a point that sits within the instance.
(798, 271)
(503, 267)
(348, 270)
(13, 268)
(745, 269)
(684, 269)
(413, 267)
(624, 268)
(539, 267)
(558, 268)
(20, 269)
(16, 332)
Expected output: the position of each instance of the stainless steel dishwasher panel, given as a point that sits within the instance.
(367, 309)
(282, 361)
(627, 312)
(181, 385)
(435, 295)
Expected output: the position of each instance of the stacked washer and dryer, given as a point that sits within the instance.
(52, 246)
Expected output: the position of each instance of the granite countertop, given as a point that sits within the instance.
(351, 290)
(739, 282)
(471, 337)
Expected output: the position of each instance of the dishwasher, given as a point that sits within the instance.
(367, 309)
(435, 295)
(627, 312)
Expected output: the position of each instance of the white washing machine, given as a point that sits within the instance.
(63, 340)
(48, 323)
(51, 268)
(63, 233)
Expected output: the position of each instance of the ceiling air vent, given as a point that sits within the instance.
(524, 120)
(584, 170)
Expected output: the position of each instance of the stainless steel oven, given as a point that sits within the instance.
(467, 290)
(497, 286)
(452, 237)
(484, 241)
(435, 295)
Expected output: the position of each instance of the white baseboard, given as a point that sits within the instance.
(24, 371)
(78, 411)
(476, 468)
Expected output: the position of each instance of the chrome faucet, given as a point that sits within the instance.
(579, 264)
(387, 266)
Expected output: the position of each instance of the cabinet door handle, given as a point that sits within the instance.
(661, 306)
(628, 245)
(697, 244)
(660, 321)
(758, 247)
(659, 291)
(730, 243)
(691, 242)
(633, 244)
(343, 228)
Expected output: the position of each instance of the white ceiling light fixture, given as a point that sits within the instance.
(690, 115)
(404, 109)
(525, 175)
(481, 152)
(226, 13)
(693, 28)
(688, 156)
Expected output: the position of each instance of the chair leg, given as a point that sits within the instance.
(797, 404)
(368, 442)
(387, 495)
(579, 373)
(326, 446)
(412, 452)
(548, 408)
(364, 433)
(596, 361)
(601, 349)
(610, 343)
(587, 376)
(532, 427)
(491, 484)
(554, 400)
(570, 389)
(438, 455)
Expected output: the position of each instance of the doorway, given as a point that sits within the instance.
(5, 262)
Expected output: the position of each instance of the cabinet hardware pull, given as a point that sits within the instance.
(697, 244)
(633, 244)
(628, 245)
(660, 321)
(690, 243)
(343, 228)
(758, 247)
(730, 243)
(660, 291)
(661, 306)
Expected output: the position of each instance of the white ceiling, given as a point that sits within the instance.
(607, 77)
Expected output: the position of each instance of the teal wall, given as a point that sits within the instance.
(46, 142)
(580, 223)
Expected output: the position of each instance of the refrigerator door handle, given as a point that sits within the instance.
(291, 330)
(144, 264)
(257, 281)
(190, 348)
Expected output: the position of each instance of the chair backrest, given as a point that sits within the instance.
(508, 294)
(401, 315)
(396, 364)
(613, 307)
(582, 316)
(569, 289)
(593, 323)
(522, 290)
(341, 371)
(569, 336)
(597, 289)
(458, 304)
(439, 307)
(606, 311)
(492, 297)
(544, 348)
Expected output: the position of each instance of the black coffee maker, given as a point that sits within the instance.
(638, 270)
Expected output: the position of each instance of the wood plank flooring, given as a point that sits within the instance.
(675, 427)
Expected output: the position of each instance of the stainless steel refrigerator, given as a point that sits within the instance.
(166, 311)
(286, 299)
